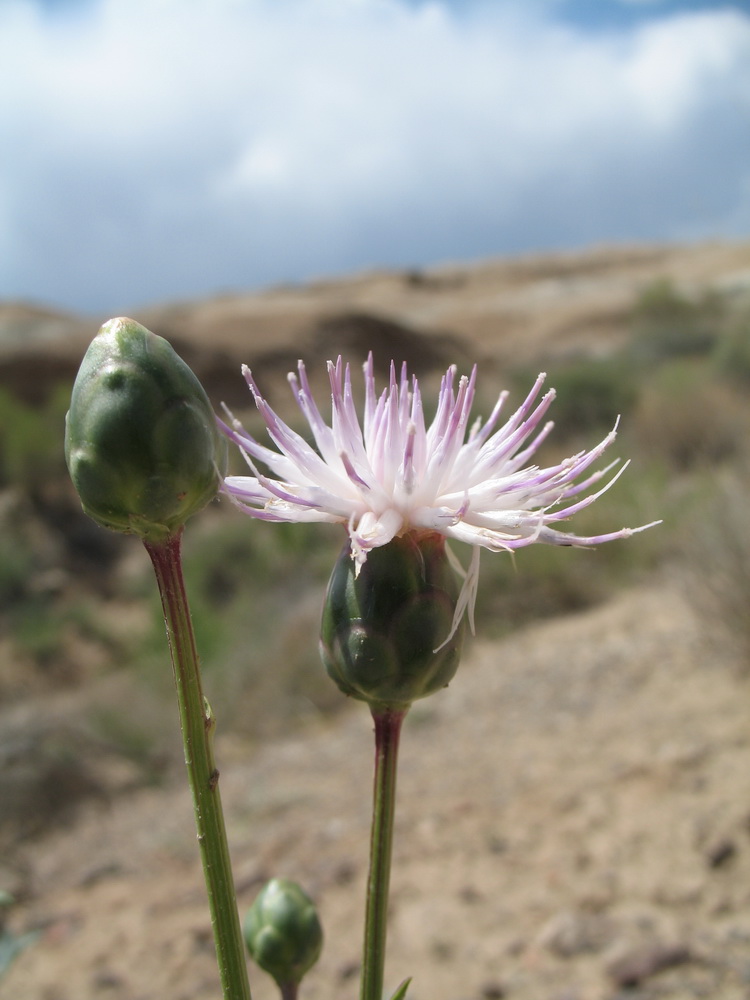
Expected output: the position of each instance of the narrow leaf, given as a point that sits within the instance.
(401, 991)
(12, 944)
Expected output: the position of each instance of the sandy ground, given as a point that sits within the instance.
(573, 825)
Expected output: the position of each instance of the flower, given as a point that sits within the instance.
(393, 474)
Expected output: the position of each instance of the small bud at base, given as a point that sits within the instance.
(282, 931)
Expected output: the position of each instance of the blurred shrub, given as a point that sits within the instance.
(731, 354)
(667, 324)
(36, 629)
(256, 593)
(16, 564)
(544, 580)
(687, 419)
(31, 439)
(591, 394)
(138, 735)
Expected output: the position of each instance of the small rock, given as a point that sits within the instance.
(348, 970)
(203, 939)
(442, 951)
(497, 844)
(630, 994)
(572, 933)
(492, 991)
(720, 852)
(632, 968)
(344, 873)
(107, 980)
(516, 946)
(100, 873)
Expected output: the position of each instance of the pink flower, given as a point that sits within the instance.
(393, 474)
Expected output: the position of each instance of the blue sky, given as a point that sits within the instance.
(155, 150)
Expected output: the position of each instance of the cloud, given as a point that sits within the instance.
(168, 149)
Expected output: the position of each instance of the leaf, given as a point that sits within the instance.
(401, 991)
(11, 945)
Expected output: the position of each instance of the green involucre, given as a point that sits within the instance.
(383, 632)
(282, 931)
(141, 440)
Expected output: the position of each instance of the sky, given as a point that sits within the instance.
(159, 150)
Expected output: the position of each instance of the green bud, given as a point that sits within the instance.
(141, 440)
(282, 931)
(384, 631)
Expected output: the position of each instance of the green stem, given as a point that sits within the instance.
(289, 991)
(387, 733)
(197, 724)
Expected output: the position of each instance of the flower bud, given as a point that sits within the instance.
(141, 439)
(282, 931)
(384, 631)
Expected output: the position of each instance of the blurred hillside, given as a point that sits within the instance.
(659, 335)
(505, 313)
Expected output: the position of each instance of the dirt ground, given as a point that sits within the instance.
(574, 824)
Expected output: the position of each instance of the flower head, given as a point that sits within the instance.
(393, 474)
(141, 442)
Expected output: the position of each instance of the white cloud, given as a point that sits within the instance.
(161, 149)
(678, 61)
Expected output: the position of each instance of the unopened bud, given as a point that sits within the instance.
(282, 931)
(384, 631)
(141, 440)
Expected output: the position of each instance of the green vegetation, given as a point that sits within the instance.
(31, 439)
(255, 598)
(667, 323)
(11, 944)
(731, 353)
(591, 394)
